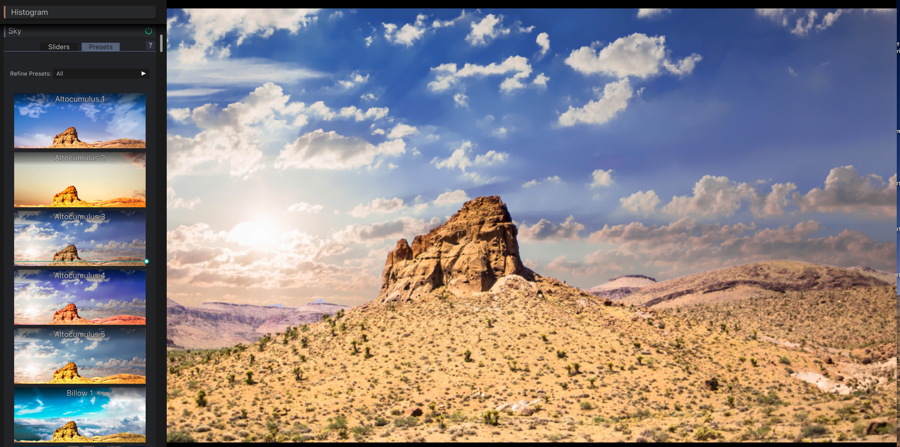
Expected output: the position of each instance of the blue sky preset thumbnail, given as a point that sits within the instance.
(98, 235)
(95, 293)
(97, 351)
(97, 411)
(38, 117)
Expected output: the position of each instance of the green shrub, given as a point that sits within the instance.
(704, 433)
(770, 399)
(338, 422)
(813, 431)
(491, 417)
(179, 436)
(201, 398)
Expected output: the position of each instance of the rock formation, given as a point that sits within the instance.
(68, 315)
(68, 197)
(68, 139)
(467, 254)
(67, 254)
(68, 433)
(68, 374)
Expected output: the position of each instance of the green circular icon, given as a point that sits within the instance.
(148, 31)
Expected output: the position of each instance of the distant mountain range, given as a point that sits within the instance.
(217, 325)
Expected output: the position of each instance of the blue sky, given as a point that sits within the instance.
(302, 144)
(38, 117)
(99, 235)
(101, 351)
(37, 412)
(96, 293)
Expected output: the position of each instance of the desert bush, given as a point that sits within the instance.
(770, 399)
(812, 431)
(491, 417)
(361, 431)
(201, 398)
(338, 422)
(704, 433)
(655, 434)
(761, 433)
(179, 436)
(408, 421)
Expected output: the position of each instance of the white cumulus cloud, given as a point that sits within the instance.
(637, 55)
(613, 99)
(485, 30)
(601, 177)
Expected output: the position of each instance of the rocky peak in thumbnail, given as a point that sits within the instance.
(68, 315)
(68, 433)
(67, 197)
(68, 374)
(69, 253)
(68, 139)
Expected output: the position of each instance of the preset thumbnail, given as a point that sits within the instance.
(80, 238)
(79, 121)
(79, 297)
(80, 179)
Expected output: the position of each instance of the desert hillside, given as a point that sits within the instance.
(622, 286)
(752, 280)
(465, 343)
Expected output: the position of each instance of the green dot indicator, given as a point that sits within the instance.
(146, 261)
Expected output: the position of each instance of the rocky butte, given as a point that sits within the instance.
(67, 254)
(68, 433)
(68, 197)
(68, 139)
(468, 253)
(68, 315)
(68, 374)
